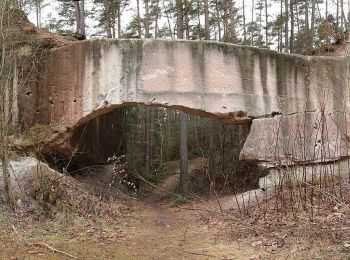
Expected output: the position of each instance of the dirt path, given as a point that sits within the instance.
(169, 233)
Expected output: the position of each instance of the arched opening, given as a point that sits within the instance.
(148, 137)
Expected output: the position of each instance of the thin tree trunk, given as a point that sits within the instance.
(119, 20)
(77, 17)
(147, 19)
(138, 19)
(232, 21)
(156, 20)
(313, 12)
(260, 24)
(107, 18)
(307, 16)
(252, 35)
(187, 21)
(267, 25)
(183, 153)
(342, 15)
(211, 152)
(199, 36)
(286, 30)
(337, 15)
(206, 20)
(225, 19)
(168, 19)
(218, 18)
(291, 42)
(183, 115)
(38, 14)
(82, 18)
(147, 140)
(244, 28)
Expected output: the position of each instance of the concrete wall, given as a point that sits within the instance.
(234, 83)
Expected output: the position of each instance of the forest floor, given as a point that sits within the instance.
(160, 227)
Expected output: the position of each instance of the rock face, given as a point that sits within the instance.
(282, 95)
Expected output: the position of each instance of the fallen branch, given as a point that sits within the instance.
(201, 254)
(41, 245)
(54, 249)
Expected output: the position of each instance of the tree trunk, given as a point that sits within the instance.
(183, 115)
(147, 19)
(232, 21)
(206, 20)
(179, 20)
(225, 20)
(211, 152)
(244, 28)
(38, 14)
(168, 19)
(286, 32)
(147, 140)
(199, 36)
(82, 18)
(138, 19)
(119, 20)
(107, 18)
(156, 20)
(342, 15)
(187, 22)
(307, 16)
(77, 17)
(218, 18)
(183, 153)
(291, 41)
(252, 35)
(267, 26)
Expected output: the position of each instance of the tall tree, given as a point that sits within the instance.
(179, 19)
(80, 19)
(138, 18)
(218, 18)
(286, 30)
(147, 19)
(147, 139)
(211, 152)
(291, 40)
(244, 24)
(183, 115)
(206, 20)
(266, 25)
(156, 19)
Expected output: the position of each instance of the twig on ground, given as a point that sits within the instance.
(41, 244)
(54, 249)
(201, 254)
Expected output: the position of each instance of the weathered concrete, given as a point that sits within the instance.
(236, 84)
(300, 138)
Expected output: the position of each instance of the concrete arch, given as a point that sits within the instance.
(233, 83)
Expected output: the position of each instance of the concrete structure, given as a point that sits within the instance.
(289, 99)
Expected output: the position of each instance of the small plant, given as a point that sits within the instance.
(178, 201)
(119, 172)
